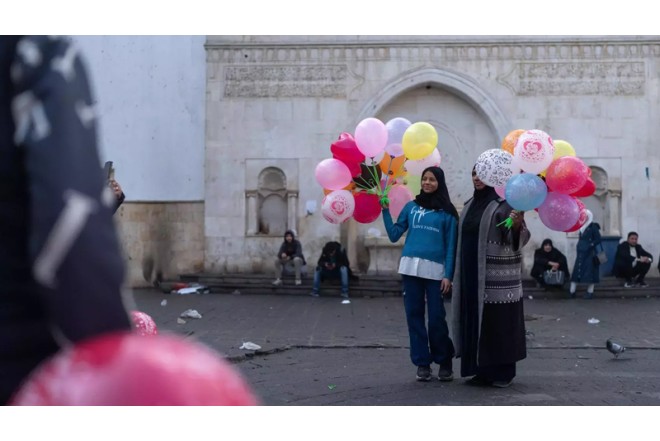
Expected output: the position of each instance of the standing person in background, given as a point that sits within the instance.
(60, 265)
(488, 322)
(290, 251)
(427, 268)
(585, 269)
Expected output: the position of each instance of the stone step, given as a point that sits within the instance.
(391, 286)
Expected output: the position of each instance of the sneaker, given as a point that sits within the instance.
(314, 294)
(423, 373)
(277, 282)
(298, 282)
(628, 285)
(502, 384)
(344, 295)
(445, 374)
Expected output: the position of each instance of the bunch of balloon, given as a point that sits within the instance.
(540, 174)
(368, 170)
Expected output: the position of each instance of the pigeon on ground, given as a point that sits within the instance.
(614, 348)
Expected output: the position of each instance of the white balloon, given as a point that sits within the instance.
(534, 151)
(338, 206)
(494, 167)
(416, 167)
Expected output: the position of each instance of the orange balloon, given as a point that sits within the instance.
(393, 166)
(350, 187)
(511, 139)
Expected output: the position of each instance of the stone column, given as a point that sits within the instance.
(292, 205)
(251, 197)
(614, 204)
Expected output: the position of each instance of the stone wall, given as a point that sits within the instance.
(288, 98)
(160, 237)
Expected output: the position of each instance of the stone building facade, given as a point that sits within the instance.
(275, 104)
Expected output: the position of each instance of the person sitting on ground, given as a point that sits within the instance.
(290, 251)
(632, 261)
(333, 263)
(548, 258)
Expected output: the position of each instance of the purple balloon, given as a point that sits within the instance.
(395, 129)
(559, 212)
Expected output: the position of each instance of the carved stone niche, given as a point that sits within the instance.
(271, 202)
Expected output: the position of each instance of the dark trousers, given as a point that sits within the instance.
(433, 345)
(638, 270)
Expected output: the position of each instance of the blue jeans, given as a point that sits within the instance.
(342, 273)
(434, 345)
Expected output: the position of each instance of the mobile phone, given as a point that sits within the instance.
(108, 170)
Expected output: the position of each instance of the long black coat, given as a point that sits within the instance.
(624, 260)
(541, 259)
(584, 270)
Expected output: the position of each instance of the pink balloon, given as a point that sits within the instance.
(353, 167)
(559, 212)
(332, 174)
(125, 369)
(581, 219)
(500, 191)
(587, 189)
(567, 175)
(399, 196)
(346, 149)
(143, 323)
(371, 136)
(338, 206)
(367, 207)
(416, 167)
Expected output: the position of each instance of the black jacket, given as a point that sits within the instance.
(60, 265)
(624, 259)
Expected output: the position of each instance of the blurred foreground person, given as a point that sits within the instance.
(60, 265)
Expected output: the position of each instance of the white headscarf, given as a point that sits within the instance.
(590, 218)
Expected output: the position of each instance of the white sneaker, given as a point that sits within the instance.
(298, 282)
(277, 282)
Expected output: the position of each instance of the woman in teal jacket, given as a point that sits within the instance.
(427, 268)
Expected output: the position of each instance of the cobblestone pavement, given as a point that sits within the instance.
(318, 351)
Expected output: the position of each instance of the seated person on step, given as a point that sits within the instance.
(632, 262)
(548, 258)
(333, 263)
(290, 252)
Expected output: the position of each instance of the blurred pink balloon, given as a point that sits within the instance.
(143, 323)
(559, 212)
(500, 191)
(332, 174)
(338, 206)
(567, 175)
(371, 136)
(399, 196)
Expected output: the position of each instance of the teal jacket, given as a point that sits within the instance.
(431, 234)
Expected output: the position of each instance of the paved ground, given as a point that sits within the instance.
(323, 352)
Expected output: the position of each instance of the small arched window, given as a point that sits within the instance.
(272, 203)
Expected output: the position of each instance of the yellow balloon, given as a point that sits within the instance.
(419, 140)
(414, 183)
(562, 148)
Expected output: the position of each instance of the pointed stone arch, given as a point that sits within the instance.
(460, 84)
